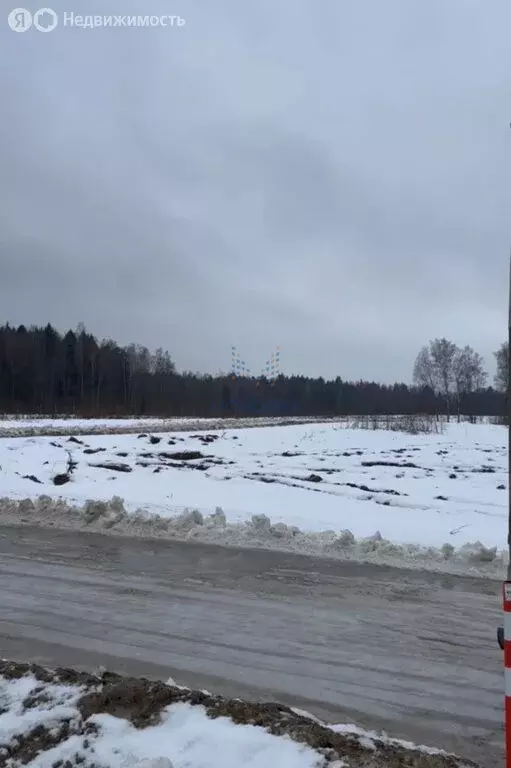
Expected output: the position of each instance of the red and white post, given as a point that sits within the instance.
(507, 668)
(507, 583)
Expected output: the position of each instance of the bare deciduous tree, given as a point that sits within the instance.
(434, 366)
(423, 370)
(443, 354)
(161, 363)
(449, 370)
(469, 373)
(502, 358)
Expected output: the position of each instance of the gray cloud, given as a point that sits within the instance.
(333, 179)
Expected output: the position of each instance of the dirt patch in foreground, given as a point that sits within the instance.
(141, 702)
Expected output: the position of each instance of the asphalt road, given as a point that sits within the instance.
(413, 653)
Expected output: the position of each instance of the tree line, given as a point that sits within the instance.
(46, 372)
(457, 374)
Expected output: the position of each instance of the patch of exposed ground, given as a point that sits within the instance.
(401, 465)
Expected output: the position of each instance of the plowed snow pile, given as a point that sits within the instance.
(431, 501)
(71, 719)
(23, 426)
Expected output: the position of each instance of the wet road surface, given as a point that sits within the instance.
(413, 653)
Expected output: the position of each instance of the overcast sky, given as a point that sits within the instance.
(332, 177)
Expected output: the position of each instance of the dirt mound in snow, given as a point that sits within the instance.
(142, 701)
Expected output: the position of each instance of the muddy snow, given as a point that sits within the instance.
(67, 718)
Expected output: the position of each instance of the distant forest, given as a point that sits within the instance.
(45, 372)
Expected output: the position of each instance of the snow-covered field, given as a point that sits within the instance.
(434, 501)
(66, 718)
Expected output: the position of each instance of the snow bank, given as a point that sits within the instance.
(111, 517)
(26, 426)
(70, 718)
(185, 733)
